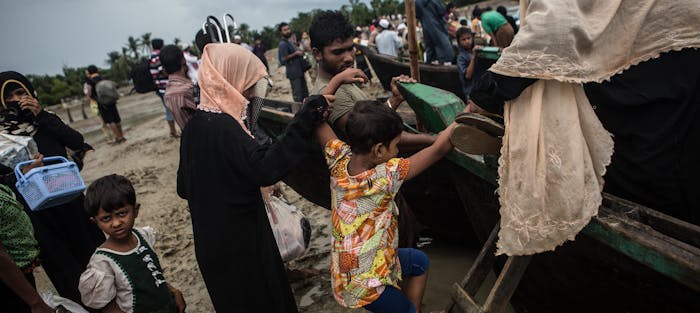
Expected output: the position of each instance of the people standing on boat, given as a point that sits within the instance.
(179, 92)
(19, 256)
(438, 48)
(466, 58)
(641, 86)
(497, 27)
(331, 41)
(366, 264)
(220, 173)
(160, 79)
(388, 41)
(65, 233)
(294, 69)
(360, 58)
(124, 273)
(501, 9)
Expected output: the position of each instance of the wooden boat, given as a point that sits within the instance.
(628, 259)
(442, 76)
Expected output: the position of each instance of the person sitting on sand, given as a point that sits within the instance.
(124, 273)
(367, 267)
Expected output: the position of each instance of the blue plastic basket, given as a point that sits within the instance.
(50, 185)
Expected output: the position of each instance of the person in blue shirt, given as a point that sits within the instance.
(466, 58)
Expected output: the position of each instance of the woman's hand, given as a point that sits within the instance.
(30, 103)
(473, 108)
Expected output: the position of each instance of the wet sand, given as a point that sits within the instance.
(150, 158)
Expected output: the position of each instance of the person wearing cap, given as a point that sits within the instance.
(403, 35)
(388, 41)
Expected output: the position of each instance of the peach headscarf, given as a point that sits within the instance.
(227, 70)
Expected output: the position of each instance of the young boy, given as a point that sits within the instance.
(366, 266)
(465, 58)
(179, 91)
(124, 273)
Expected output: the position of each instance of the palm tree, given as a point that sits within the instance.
(133, 45)
(146, 43)
(177, 42)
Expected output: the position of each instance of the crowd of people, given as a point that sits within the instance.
(223, 168)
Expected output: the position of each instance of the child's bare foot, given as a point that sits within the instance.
(299, 274)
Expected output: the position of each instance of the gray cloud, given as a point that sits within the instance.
(41, 36)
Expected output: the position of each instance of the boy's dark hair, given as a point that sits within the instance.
(92, 69)
(476, 12)
(157, 43)
(171, 58)
(450, 5)
(279, 27)
(462, 31)
(370, 123)
(109, 193)
(328, 26)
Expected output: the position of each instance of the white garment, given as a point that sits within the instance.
(388, 42)
(555, 149)
(104, 280)
(192, 66)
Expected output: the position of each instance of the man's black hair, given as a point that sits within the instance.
(171, 58)
(92, 69)
(370, 123)
(109, 193)
(157, 43)
(476, 12)
(279, 27)
(450, 6)
(327, 27)
(501, 9)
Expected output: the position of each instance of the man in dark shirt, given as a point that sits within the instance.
(292, 58)
(259, 50)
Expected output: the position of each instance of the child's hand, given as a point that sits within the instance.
(477, 48)
(400, 79)
(38, 158)
(179, 299)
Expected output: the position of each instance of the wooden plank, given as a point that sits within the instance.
(464, 301)
(412, 39)
(670, 257)
(668, 225)
(506, 283)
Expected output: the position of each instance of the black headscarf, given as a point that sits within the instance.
(13, 120)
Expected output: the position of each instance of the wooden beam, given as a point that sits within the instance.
(412, 40)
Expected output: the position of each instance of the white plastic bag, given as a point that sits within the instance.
(290, 227)
(15, 149)
(54, 301)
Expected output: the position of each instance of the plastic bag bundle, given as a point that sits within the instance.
(290, 227)
(15, 149)
(61, 304)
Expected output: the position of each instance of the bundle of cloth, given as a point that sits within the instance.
(555, 149)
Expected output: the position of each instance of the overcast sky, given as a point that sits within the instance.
(40, 36)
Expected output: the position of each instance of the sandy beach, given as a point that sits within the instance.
(150, 159)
